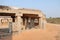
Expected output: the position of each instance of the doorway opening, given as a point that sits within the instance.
(5, 20)
(30, 20)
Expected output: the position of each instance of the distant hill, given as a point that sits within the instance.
(53, 20)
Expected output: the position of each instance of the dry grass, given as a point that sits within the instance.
(53, 20)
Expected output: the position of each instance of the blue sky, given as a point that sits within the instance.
(49, 7)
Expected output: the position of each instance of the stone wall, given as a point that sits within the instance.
(17, 25)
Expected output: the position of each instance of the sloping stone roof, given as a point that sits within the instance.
(4, 7)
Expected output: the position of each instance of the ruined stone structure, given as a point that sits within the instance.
(21, 18)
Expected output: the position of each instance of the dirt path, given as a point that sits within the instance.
(34, 34)
(52, 32)
(54, 29)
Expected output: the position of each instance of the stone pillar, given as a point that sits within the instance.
(19, 22)
(10, 27)
(32, 23)
(44, 24)
(0, 22)
(25, 23)
(29, 23)
(40, 23)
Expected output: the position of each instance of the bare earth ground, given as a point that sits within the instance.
(52, 32)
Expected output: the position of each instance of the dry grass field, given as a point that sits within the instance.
(52, 32)
(53, 20)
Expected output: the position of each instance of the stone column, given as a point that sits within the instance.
(19, 22)
(44, 24)
(40, 23)
(29, 23)
(32, 23)
(0, 22)
(10, 27)
(25, 23)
